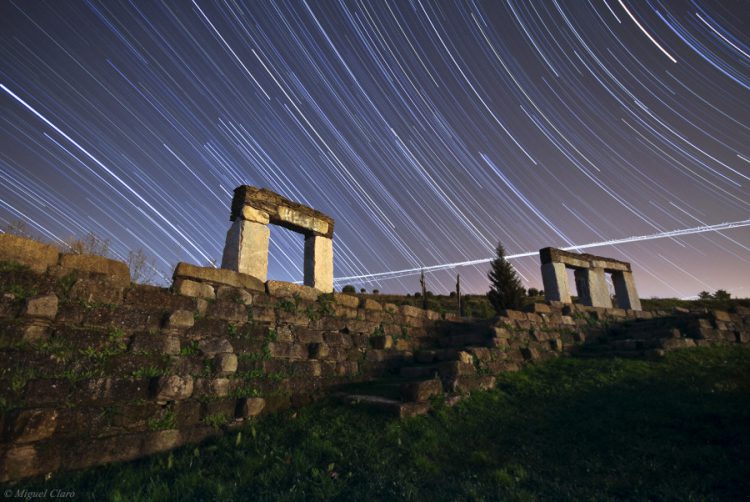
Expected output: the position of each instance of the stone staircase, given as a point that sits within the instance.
(448, 369)
(652, 338)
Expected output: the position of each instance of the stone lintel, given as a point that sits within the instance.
(279, 211)
(582, 260)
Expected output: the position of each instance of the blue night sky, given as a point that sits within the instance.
(429, 130)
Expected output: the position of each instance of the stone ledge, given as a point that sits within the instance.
(280, 289)
(35, 255)
(117, 271)
(218, 276)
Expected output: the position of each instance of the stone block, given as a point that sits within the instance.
(226, 364)
(36, 332)
(117, 271)
(250, 407)
(44, 307)
(410, 311)
(720, 315)
(279, 289)
(530, 353)
(180, 319)
(27, 426)
(33, 254)
(218, 276)
(555, 279)
(213, 346)
(102, 290)
(432, 315)
(368, 304)
(246, 249)
(187, 287)
(173, 388)
(345, 300)
(538, 308)
(234, 295)
(318, 267)
(219, 387)
(421, 391)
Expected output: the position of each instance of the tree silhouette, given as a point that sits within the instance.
(506, 291)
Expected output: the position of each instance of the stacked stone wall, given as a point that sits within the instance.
(94, 369)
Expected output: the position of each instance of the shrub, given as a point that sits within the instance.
(348, 289)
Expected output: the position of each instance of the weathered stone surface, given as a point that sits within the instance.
(251, 214)
(555, 279)
(187, 287)
(246, 249)
(514, 315)
(369, 304)
(33, 425)
(35, 332)
(226, 363)
(538, 308)
(180, 319)
(251, 407)
(35, 255)
(410, 311)
(236, 295)
(281, 211)
(213, 346)
(218, 276)
(102, 290)
(349, 301)
(281, 289)
(219, 387)
(44, 307)
(318, 266)
(173, 388)
(115, 270)
(421, 391)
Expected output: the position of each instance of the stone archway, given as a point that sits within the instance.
(246, 248)
(590, 277)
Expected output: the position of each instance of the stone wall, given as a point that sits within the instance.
(94, 369)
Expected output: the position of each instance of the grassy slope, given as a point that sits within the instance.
(566, 429)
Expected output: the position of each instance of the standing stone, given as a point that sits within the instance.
(627, 296)
(319, 263)
(595, 281)
(555, 279)
(246, 249)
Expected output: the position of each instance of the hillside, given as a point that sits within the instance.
(567, 429)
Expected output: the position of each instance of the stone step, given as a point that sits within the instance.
(421, 390)
(480, 339)
(391, 407)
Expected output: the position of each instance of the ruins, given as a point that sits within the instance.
(246, 248)
(591, 282)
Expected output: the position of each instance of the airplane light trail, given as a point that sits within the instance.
(614, 242)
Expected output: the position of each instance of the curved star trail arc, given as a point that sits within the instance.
(430, 130)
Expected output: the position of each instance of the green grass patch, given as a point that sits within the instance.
(567, 429)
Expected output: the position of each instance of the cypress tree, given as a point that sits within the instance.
(506, 291)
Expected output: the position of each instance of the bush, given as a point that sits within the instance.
(348, 289)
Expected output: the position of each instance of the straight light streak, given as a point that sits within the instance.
(614, 242)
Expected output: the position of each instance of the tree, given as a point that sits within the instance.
(705, 295)
(506, 291)
(533, 292)
(348, 289)
(722, 294)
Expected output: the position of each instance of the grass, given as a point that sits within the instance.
(567, 429)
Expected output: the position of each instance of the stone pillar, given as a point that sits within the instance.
(246, 248)
(555, 280)
(627, 296)
(593, 290)
(319, 263)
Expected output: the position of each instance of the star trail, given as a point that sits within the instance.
(429, 130)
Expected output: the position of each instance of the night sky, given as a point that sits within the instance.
(428, 130)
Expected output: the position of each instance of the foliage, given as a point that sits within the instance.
(348, 289)
(506, 291)
(567, 429)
